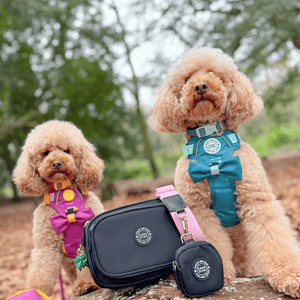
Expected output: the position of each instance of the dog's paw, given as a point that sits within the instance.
(288, 284)
(229, 274)
(84, 287)
(84, 283)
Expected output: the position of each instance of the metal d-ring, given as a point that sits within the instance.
(181, 218)
(186, 234)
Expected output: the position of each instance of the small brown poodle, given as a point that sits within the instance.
(59, 163)
(206, 97)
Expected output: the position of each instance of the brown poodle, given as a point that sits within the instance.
(60, 163)
(203, 87)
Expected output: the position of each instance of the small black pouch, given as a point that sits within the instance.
(198, 269)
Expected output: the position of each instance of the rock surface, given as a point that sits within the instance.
(255, 288)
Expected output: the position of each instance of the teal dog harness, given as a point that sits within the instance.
(214, 161)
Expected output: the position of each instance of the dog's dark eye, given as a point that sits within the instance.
(46, 152)
(67, 151)
(187, 79)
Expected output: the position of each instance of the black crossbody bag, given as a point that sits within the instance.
(139, 243)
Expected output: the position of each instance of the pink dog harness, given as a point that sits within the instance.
(71, 217)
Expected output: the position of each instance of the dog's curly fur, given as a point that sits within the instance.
(34, 176)
(263, 242)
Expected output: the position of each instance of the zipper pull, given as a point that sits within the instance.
(174, 264)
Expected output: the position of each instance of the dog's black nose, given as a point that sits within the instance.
(201, 88)
(57, 165)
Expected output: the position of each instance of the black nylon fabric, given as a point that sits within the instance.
(199, 269)
(131, 245)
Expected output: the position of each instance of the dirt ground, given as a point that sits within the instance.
(16, 226)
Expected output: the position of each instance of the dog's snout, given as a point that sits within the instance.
(57, 165)
(201, 88)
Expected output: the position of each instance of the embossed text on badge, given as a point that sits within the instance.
(201, 269)
(143, 236)
(212, 146)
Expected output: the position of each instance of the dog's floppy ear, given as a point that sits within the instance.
(25, 176)
(167, 113)
(91, 167)
(243, 103)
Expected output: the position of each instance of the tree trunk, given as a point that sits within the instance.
(135, 92)
(148, 149)
(9, 164)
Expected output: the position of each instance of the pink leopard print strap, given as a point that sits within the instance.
(181, 214)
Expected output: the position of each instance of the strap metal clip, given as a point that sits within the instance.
(184, 226)
(181, 218)
(186, 234)
(183, 221)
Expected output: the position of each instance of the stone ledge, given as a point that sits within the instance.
(254, 288)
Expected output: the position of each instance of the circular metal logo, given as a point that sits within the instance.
(201, 269)
(212, 146)
(143, 236)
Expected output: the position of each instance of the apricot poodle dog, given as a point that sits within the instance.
(207, 98)
(59, 163)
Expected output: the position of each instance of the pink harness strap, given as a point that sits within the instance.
(71, 217)
(61, 290)
(182, 216)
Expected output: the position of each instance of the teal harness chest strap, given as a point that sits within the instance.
(214, 161)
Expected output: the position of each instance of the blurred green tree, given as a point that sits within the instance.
(56, 63)
(134, 87)
(263, 37)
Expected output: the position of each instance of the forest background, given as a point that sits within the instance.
(99, 65)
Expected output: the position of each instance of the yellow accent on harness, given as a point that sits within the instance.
(44, 296)
(71, 218)
(63, 184)
(64, 250)
(68, 195)
(47, 198)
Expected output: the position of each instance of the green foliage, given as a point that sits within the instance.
(261, 36)
(277, 139)
(283, 94)
(167, 160)
(133, 168)
(6, 21)
(86, 95)
(46, 74)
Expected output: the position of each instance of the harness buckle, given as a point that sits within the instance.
(200, 131)
(214, 168)
(71, 210)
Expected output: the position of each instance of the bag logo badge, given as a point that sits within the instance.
(143, 236)
(201, 269)
(212, 146)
